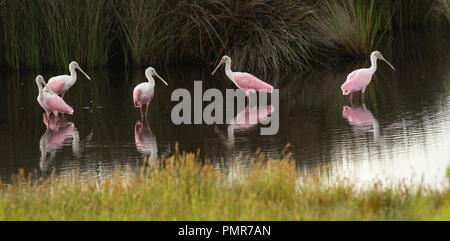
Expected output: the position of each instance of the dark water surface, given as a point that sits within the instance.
(402, 131)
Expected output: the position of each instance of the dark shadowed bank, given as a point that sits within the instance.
(259, 35)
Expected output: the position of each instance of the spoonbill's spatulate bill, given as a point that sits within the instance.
(50, 101)
(62, 83)
(244, 81)
(360, 78)
(143, 92)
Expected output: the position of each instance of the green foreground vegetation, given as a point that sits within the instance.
(259, 35)
(183, 188)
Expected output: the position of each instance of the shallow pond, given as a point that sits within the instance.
(402, 132)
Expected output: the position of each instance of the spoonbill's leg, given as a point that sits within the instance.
(351, 103)
(362, 96)
(146, 109)
(142, 114)
(55, 113)
(47, 114)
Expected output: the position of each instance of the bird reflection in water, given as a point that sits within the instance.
(361, 119)
(58, 134)
(247, 119)
(145, 140)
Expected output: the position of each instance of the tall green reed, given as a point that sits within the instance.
(77, 29)
(51, 33)
(414, 13)
(20, 34)
(354, 27)
(260, 35)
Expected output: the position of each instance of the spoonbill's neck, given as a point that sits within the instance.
(151, 80)
(230, 73)
(40, 88)
(373, 67)
(73, 73)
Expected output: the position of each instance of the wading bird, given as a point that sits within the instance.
(50, 101)
(62, 83)
(360, 78)
(144, 92)
(244, 81)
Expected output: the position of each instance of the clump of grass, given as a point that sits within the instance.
(80, 30)
(265, 36)
(353, 28)
(51, 33)
(259, 35)
(444, 8)
(20, 34)
(149, 30)
(415, 13)
(181, 187)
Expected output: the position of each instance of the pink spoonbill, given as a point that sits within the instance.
(244, 81)
(62, 83)
(144, 92)
(360, 78)
(50, 101)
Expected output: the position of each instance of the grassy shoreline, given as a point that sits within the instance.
(180, 188)
(259, 35)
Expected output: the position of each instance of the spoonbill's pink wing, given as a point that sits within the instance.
(58, 137)
(57, 85)
(55, 103)
(249, 82)
(136, 96)
(356, 80)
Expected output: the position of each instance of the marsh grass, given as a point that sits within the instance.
(415, 13)
(80, 29)
(182, 187)
(52, 33)
(261, 36)
(354, 28)
(444, 8)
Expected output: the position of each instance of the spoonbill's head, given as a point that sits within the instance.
(74, 65)
(41, 82)
(346, 91)
(150, 71)
(379, 56)
(225, 60)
